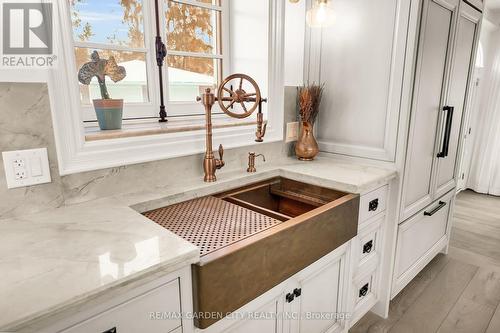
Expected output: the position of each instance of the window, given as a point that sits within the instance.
(255, 33)
(122, 29)
(194, 48)
(115, 28)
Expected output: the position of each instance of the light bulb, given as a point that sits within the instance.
(320, 15)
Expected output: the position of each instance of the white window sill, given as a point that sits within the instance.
(153, 127)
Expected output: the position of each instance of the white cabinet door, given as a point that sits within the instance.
(465, 45)
(263, 320)
(319, 298)
(436, 34)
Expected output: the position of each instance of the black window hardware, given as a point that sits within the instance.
(111, 330)
(368, 246)
(373, 205)
(447, 131)
(435, 210)
(297, 292)
(364, 290)
(161, 53)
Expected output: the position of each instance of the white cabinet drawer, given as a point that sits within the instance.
(134, 315)
(368, 244)
(364, 288)
(372, 203)
(419, 234)
(364, 294)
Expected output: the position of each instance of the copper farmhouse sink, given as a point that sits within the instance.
(254, 237)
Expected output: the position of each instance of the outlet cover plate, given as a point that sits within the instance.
(26, 167)
(292, 131)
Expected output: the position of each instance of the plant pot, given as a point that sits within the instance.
(307, 147)
(109, 113)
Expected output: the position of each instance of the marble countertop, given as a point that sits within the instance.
(66, 256)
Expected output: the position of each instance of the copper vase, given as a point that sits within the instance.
(307, 147)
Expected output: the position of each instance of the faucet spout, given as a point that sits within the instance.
(210, 163)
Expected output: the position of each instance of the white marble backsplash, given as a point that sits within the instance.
(26, 123)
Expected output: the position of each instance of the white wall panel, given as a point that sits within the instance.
(361, 61)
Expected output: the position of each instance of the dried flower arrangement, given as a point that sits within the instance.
(309, 100)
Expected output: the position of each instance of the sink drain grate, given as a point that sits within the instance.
(210, 223)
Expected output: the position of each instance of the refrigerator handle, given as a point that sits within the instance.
(447, 131)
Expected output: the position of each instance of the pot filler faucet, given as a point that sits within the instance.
(236, 96)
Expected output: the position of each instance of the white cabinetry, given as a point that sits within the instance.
(311, 301)
(265, 319)
(361, 60)
(419, 239)
(154, 307)
(318, 303)
(367, 254)
(461, 73)
(436, 39)
(449, 31)
(134, 315)
(479, 4)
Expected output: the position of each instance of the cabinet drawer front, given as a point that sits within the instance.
(368, 243)
(364, 293)
(372, 203)
(134, 316)
(420, 233)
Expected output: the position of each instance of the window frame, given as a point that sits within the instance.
(77, 155)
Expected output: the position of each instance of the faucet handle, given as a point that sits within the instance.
(221, 152)
(219, 163)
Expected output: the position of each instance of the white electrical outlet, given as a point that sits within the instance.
(292, 131)
(26, 167)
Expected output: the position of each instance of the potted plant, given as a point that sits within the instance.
(309, 99)
(109, 111)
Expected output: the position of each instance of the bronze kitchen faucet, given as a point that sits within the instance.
(236, 96)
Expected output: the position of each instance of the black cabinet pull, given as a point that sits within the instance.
(111, 330)
(435, 210)
(447, 131)
(368, 246)
(364, 290)
(373, 205)
(289, 297)
(297, 292)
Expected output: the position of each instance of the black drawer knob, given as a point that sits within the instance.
(111, 330)
(373, 205)
(364, 290)
(297, 292)
(289, 297)
(368, 246)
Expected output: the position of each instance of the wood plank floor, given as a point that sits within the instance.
(458, 292)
